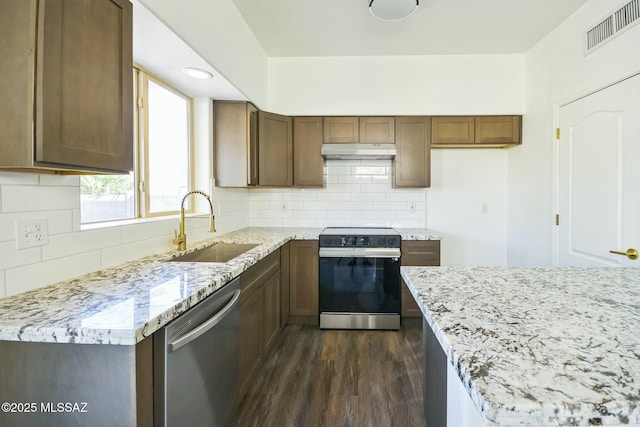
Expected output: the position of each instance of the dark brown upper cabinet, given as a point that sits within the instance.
(476, 131)
(377, 130)
(308, 165)
(275, 150)
(412, 164)
(498, 130)
(235, 141)
(353, 130)
(66, 93)
(452, 130)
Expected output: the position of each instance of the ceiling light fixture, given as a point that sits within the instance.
(197, 73)
(393, 10)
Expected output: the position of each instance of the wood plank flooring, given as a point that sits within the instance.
(315, 378)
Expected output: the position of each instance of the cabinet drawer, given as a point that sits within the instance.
(255, 276)
(420, 252)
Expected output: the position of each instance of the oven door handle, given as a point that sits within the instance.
(359, 252)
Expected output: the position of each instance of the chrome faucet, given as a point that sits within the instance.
(181, 239)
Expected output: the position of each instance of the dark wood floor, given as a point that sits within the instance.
(316, 378)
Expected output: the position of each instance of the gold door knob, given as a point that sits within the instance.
(630, 253)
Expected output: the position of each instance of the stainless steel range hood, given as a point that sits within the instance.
(358, 151)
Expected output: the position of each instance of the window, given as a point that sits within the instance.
(163, 173)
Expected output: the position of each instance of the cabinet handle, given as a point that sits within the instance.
(630, 253)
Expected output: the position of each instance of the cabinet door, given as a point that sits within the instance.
(345, 130)
(417, 252)
(271, 320)
(377, 130)
(498, 130)
(84, 86)
(250, 346)
(275, 148)
(17, 19)
(235, 144)
(307, 159)
(452, 130)
(304, 278)
(413, 152)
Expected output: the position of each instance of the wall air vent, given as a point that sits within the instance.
(612, 26)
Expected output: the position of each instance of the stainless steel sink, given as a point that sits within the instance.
(219, 252)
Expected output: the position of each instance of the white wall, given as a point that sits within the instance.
(556, 72)
(396, 85)
(71, 251)
(217, 32)
(462, 180)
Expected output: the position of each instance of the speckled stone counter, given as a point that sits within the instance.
(125, 304)
(538, 346)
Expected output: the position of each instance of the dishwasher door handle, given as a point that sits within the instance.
(205, 326)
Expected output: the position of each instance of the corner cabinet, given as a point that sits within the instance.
(412, 164)
(235, 141)
(416, 253)
(476, 131)
(66, 95)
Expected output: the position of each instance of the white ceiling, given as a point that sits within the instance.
(157, 49)
(345, 27)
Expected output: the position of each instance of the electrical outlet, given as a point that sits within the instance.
(485, 208)
(412, 206)
(31, 233)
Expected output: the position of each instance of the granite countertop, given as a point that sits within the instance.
(539, 346)
(124, 304)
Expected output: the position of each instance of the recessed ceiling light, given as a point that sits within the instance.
(393, 10)
(197, 73)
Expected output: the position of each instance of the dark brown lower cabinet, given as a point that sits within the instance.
(259, 316)
(416, 253)
(304, 278)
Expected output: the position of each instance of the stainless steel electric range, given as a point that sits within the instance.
(359, 278)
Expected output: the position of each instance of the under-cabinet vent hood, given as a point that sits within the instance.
(358, 151)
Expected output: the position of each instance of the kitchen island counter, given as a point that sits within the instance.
(538, 346)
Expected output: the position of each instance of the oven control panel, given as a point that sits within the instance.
(350, 241)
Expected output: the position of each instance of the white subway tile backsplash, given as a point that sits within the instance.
(320, 205)
(390, 206)
(354, 179)
(30, 277)
(330, 179)
(148, 230)
(338, 170)
(342, 188)
(369, 170)
(27, 198)
(16, 178)
(58, 222)
(12, 257)
(113, 256)
(355, 205)
(60, 180)
(303, 195)
(334, 197)
(381, 179)
(346, 214)
(375, 188)
(65, 245)
(310, 214)
(377, 214)
(405, 196)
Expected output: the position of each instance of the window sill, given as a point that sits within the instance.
(135, 221)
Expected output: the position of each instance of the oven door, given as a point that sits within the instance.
(360, 283)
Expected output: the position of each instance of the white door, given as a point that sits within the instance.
(599, 177)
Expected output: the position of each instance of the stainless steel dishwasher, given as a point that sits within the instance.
(196, 364)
